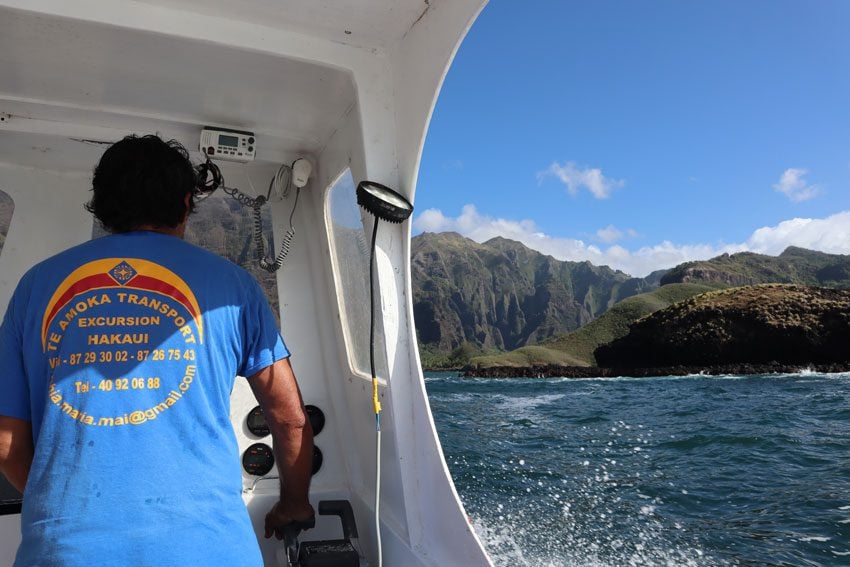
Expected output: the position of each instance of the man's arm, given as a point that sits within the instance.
(277, 391)
(16, 450)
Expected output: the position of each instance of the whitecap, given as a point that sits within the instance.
(525, 406)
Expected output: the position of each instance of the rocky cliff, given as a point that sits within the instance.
(763, 324)
(503, 295)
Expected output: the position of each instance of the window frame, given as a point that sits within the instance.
(343, 312)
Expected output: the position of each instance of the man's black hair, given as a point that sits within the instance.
(142, 181)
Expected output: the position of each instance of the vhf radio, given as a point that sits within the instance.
(229, 145)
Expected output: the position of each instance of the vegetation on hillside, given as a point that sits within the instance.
(503, 295)
(577, 348)
(434, 359)
(793, 266)
(772, 323)
(482, 272)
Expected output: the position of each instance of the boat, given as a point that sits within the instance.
(348, 88)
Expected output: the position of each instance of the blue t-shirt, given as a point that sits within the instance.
(122, 352)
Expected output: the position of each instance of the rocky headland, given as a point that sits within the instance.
(499, 303)
(770, 328)
(786, 324)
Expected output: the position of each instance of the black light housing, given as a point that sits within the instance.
(383, 202)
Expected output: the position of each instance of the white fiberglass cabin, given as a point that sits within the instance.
(349, 86)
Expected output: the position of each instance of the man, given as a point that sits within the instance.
(118, 357)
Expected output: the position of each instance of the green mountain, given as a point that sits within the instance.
(502, 295)
(793, 266)
(577, 348)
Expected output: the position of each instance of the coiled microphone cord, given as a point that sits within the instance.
(209, 178)
(260, 244)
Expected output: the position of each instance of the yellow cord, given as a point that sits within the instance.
(376, 403)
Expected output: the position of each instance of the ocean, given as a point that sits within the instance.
(697, 470)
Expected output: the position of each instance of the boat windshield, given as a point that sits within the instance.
(223, 226)
(351, 274)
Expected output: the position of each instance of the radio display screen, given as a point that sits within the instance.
(231, 141)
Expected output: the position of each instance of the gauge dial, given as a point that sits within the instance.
(316, 417)
(258, 459)
(257, 423)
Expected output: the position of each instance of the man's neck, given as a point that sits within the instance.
(177, 231)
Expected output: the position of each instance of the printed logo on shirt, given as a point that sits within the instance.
(141, 275)
(120, 335)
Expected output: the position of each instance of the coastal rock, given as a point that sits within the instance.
(765, 324)
(502, 296)
(558, 371)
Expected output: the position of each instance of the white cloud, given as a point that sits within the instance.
(830, 234)
(611, 234)
(575, 177)
(795, 187)
(475, 226)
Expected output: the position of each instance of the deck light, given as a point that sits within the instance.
(383, 202)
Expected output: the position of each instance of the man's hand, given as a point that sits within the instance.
(277, 391)
(282, 516)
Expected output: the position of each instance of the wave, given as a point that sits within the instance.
(524, 407)
(805, 373)
(637, 543)
(651, 471)
(698, 441)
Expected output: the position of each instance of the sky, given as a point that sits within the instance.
(640, 134)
